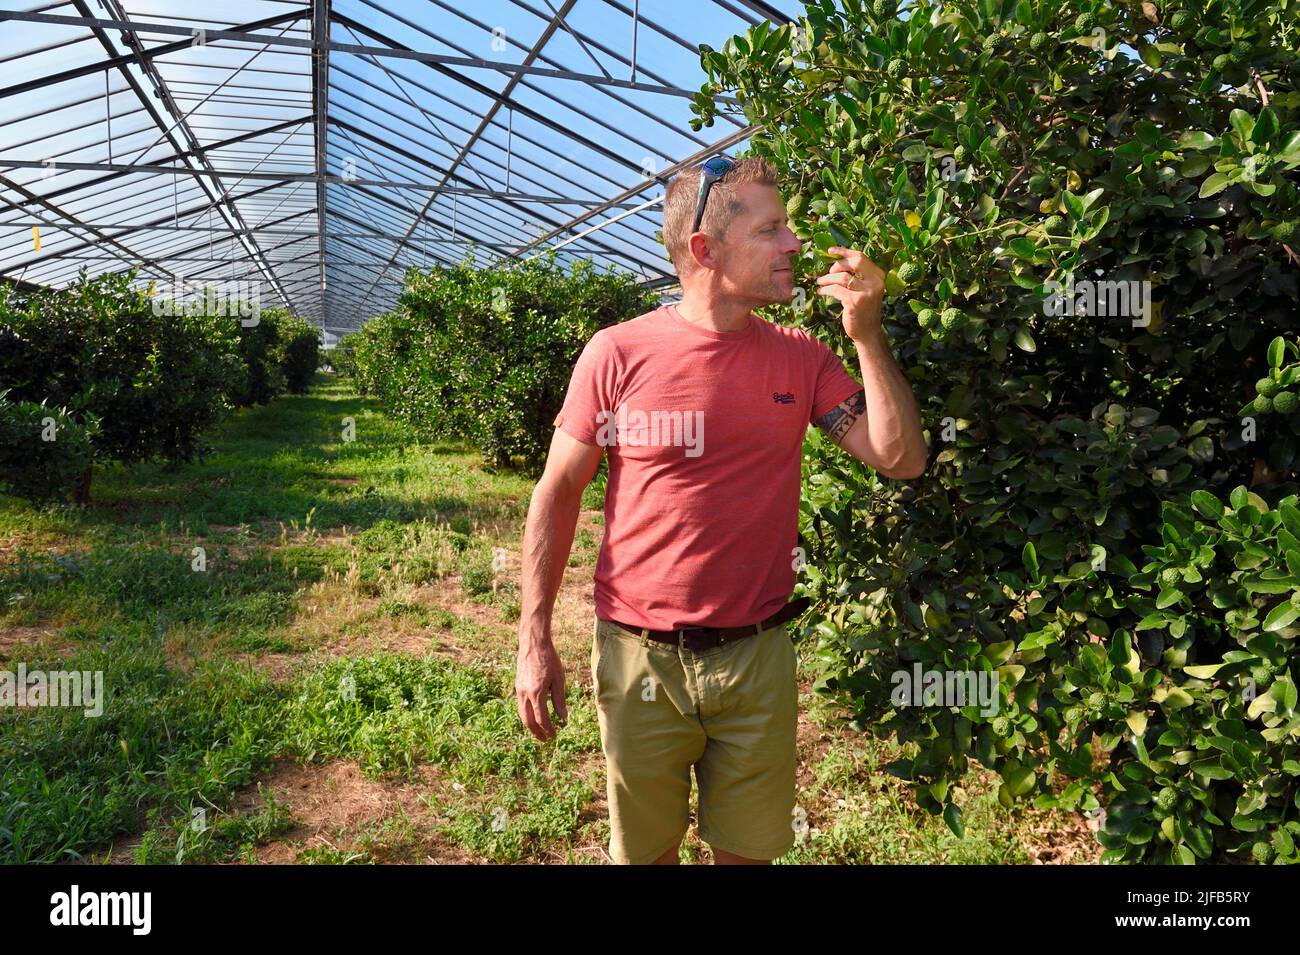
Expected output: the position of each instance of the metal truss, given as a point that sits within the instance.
(322, 148)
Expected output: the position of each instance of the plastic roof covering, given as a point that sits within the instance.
(319, 150)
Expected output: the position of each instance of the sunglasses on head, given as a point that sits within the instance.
(713, 170)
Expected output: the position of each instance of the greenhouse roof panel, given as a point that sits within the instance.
(321, 149)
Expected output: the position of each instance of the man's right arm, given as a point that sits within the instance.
(548, 538)
(548, 534)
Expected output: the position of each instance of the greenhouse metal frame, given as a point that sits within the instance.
(319, 151)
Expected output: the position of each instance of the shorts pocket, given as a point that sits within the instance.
(599, 653)
(610, 639)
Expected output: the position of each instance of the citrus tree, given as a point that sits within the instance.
(486, 355)
(136, 383)
(299, 353)
(261, 351)
(45, 453)
(1087, 213)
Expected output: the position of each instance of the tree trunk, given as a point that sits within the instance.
(82, 495)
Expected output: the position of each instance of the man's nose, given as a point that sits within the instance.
(792, 244)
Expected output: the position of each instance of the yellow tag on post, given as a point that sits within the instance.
(36, 237)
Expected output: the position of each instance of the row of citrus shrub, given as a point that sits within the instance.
(485, 355)
(97, 372)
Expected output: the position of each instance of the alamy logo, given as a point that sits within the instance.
(210, 299)
(1130, 299)
(946, 688)
(103, 908)
(83, 688)
(636, 428)
(783, 397)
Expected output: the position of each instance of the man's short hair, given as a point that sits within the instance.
(723, 206)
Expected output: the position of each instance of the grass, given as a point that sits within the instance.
(298, 599)
(166, 743)
(872, 819)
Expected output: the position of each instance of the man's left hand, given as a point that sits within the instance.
(859, 285)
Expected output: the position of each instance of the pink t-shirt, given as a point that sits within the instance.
(704, 432)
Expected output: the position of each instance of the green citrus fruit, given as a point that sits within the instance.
(911, 272)
(951, 319)
(959, 154)
(795, 205)
(926, 317)
(896, 69)
(1084, 22)
(1240, 52)
(1180, 21)
(992, 43)
(1166, 799)
(884, 9)
(1261, 852)
(1170, 577)
(1267, 387)
(1053, 225)
(1221, 62)
(1263, 404)
(1285, 402)
(1038, 42)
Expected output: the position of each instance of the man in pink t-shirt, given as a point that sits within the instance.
(704, 442)
(702, 408)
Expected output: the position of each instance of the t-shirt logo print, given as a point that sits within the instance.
(783, 397)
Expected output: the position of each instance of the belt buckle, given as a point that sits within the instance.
(681, 633)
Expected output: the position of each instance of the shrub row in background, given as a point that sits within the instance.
(1102, 524)
(486, 356)
(129, 384)
(300, 349)
(340, 358)
(281, 353)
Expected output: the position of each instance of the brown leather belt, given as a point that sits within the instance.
(706, 638)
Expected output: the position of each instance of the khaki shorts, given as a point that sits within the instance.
(731, 712)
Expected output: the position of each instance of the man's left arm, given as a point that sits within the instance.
(881, 424)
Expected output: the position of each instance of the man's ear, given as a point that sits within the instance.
(703, 259)
(711, 258)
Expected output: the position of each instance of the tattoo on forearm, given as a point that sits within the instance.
(839, 419)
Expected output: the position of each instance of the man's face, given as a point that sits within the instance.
(754, 256)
